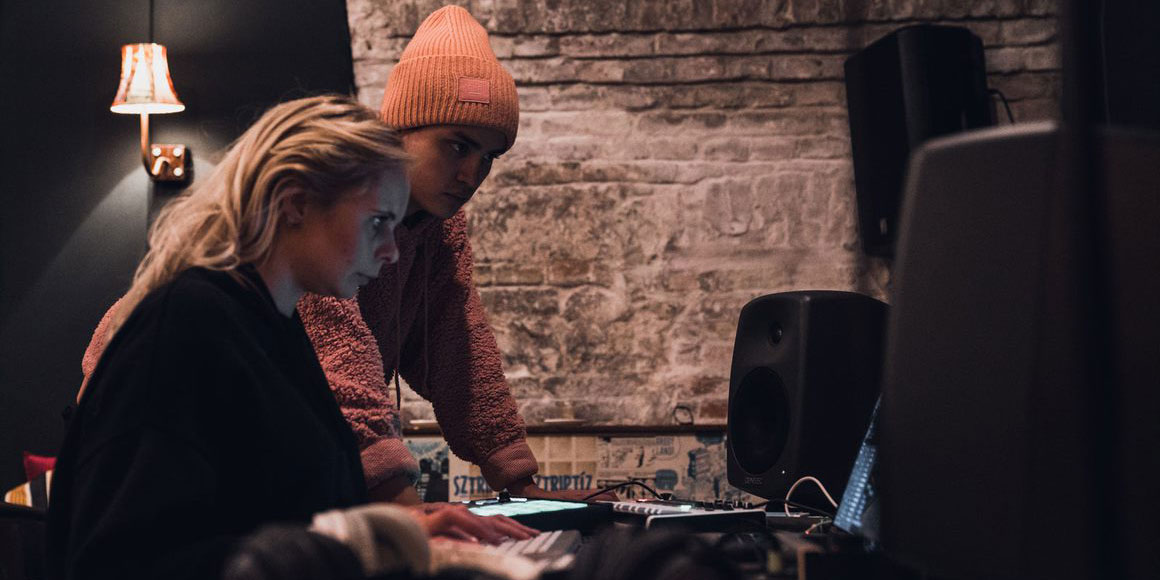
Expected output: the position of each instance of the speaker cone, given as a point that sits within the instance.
(759, 420)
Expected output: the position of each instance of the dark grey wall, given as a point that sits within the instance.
(74, 198)
(1131, 57)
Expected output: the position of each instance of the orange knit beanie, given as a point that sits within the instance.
(448, 75)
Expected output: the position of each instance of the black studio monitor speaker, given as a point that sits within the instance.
(805, 376)
(992, 415)
(911, 85)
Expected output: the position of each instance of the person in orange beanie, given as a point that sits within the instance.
(458, 111)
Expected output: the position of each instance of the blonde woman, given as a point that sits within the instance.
(422, 319)
(208, 415)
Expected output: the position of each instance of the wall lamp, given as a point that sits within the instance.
(145, 89)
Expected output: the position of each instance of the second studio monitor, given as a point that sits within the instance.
(804, 380)
(914, 84)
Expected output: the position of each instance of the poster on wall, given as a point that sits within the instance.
(434, 467)
(688, 466)
(565, 462)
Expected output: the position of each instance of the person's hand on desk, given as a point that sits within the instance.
(449, 520)
(527, 488)
(456, 522)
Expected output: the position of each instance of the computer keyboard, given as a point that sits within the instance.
(513, 560)
(545, 546)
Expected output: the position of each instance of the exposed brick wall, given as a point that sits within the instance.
(675, 160)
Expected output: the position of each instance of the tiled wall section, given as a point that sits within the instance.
(675, 160)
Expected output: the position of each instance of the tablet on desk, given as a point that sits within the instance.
(546, 514)
(519, 506)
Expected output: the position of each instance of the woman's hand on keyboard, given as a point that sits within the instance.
(454, 521)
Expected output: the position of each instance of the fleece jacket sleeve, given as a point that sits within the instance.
(97, 346)
(350, 357)
(450, 356)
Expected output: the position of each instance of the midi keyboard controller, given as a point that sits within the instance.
(689, 515)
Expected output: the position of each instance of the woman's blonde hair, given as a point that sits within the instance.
(327, 146)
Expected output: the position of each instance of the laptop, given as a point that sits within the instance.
(858, 512)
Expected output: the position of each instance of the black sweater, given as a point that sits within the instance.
(207, 417)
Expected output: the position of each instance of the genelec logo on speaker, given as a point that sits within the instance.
(754, 480)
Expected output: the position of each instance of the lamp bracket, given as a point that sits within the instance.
(163, 162)
(166, 162)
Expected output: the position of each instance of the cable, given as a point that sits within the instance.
(1006, 106)
(812, 479)
(808, 508)
(622, 485)
(796, 505)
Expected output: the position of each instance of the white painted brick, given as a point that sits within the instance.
(675, 160)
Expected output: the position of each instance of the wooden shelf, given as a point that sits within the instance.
(586, 429)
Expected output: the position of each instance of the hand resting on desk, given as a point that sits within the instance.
(388, 538)
(455, 522)
(376, 539)
(527, 488)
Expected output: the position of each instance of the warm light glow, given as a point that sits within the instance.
(145, 84)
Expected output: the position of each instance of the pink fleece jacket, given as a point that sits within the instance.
(422, 316)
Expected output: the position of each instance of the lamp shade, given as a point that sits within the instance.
(145, 84)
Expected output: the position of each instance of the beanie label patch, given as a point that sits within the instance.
(472, 90)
